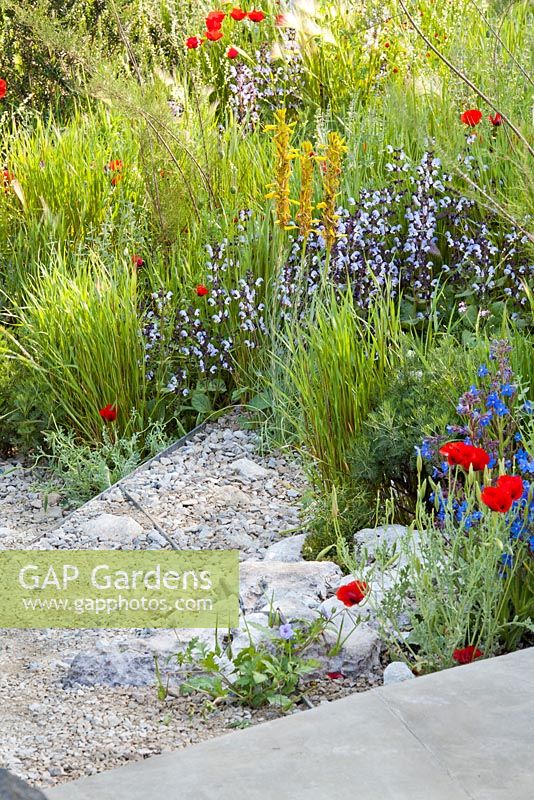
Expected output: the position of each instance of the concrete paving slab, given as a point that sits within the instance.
(462, 733)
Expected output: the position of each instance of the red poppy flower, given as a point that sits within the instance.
(475, 457)
(453, 451)
(280, 20)
(193, 42)
(3, 88)
(137, 261)
(214, 20)
(238, 14)
(352, 593)
(232, 52)
(465, 455)
(201, 290)
(497, 499)
(496, 119)
(256, 16)
(109, 413)
(214, 36)
(512, 484)
(335, 676)
(471, 117)
(465, 655)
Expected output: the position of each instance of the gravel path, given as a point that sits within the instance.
(215, 492)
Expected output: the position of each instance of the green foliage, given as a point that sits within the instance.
(420, 398)
(419, 393)
(268, 672)
(83, 471)
(335, 370)
(78, 340)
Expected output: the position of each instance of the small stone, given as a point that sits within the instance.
(112, 528)
(397, 672)
(249, 469)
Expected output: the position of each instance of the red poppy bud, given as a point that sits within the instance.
(193, 42)
(335, 676)
(232, 52)
(7, 179)
(201, 290)
(238, 14)
(496, 119)
(214, 36)
(466, 655)
(497, 499)
(280, 21)
(352, 593)
(109, 413)
(256, 16)
(114, 166)
(3, 88)
(471, 117)
(512, 484)
(137, 261)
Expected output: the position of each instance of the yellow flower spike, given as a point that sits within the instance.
(284, 154)
(335, 150)
(305, 213)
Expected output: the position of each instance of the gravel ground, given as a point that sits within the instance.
(204, 496)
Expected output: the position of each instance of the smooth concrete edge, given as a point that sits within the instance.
(392, 707)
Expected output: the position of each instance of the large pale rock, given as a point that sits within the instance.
(288, 549)
(249, 469)
(359, 652)
(353, 629)
(295, 588)
(12, 788)
(373, 538)
(112, 528)
(7, 532)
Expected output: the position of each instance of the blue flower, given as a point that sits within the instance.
(492, 400)
(517, 437)
(482, 371)
(528, 406)
(507, 390)
(517, 528)
(531, 543)
(507, 560)
(426, 450)
(501, 409)
(286, 631)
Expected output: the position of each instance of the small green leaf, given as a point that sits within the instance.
(201, 403)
